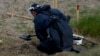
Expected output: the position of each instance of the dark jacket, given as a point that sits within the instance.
(43, 28)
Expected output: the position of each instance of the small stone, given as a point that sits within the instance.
(1, 41)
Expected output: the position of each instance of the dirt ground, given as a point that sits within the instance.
(12, 27)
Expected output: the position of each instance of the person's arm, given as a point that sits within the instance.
(41, 26)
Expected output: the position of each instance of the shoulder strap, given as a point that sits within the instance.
(49, 13)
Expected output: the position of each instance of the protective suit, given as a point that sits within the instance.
(53, 37)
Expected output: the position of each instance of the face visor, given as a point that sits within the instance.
(33, 8)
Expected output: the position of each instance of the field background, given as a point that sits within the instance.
(12, 27)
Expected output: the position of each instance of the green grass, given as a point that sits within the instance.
(89, 25)
(89, 22)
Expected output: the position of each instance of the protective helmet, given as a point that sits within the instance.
(35, 7)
